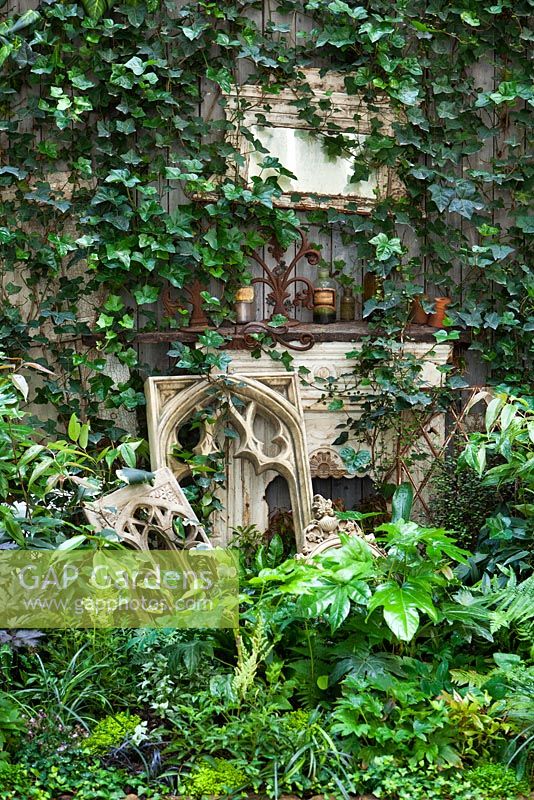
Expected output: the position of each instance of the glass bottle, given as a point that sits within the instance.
(324, 298)
(347, 306)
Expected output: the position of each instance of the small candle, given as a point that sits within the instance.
(245, 310)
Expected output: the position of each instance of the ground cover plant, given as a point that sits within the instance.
(401, 675)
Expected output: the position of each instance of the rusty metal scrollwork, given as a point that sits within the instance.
(280, 277)
(306, 339)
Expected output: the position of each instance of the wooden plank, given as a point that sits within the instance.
(335, 332)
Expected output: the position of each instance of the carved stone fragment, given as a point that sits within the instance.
(144, 515)
(323, 531)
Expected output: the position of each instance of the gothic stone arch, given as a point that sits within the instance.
(274, 399)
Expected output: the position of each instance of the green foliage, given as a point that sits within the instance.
(496, 782)
(67, 694)
(110, 732)
(387, 778)
(384, 715)
(42, 485)
(507, 536)
(11, 722)
(478, 723)
(63, 776)
(460, 501)
(117, 109)
(215, 778)
(510, 437)
(402, 585)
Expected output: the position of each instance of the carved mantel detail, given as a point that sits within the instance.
(326, 463)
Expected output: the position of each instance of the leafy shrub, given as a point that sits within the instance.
(460, 501)
(388, 778)
(388, 715)
(111, 732)
(496, 782)
(11, 723)
(503, 458)
(214, 778)
(478, 723)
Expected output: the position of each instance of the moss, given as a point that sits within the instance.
(214, 778)
(111, 732)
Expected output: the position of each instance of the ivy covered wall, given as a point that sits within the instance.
(113, 124)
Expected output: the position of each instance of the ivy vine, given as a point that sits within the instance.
(107, 147)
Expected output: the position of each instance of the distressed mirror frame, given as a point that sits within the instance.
(350, 114)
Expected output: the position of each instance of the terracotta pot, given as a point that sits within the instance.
(440, 310)
(418, 315)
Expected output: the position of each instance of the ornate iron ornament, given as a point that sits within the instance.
(306, 339)
(198, 318)
(281, 277)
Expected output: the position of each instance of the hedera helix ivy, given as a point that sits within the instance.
(106, 149)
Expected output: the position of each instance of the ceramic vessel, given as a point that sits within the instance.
(418, 315)
(440, 309)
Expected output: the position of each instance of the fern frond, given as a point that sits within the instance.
(467, 677)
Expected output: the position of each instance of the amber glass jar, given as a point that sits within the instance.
(324, 298)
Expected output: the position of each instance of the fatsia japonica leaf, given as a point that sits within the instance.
(400, 608)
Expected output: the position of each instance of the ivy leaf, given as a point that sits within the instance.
(446, 336)
(376, 31)
(94, 8)
(355, 461)
(525, 223)
(146, 294)
(339, 7)
(136, 15)
(338, 36)
(336, 404)
(278, 321)
(470, 19)
(385, 247)
(211, 339)
(457, 382)
(492, 320)
(222, 77)
(446, 110)
(441, 195)
(463, 207)
(136, 65)
(408, 93)
(15, 171)
(194, 32)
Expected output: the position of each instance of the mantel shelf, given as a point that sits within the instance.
(335, 332)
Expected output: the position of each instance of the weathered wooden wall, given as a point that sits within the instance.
(154, 356)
